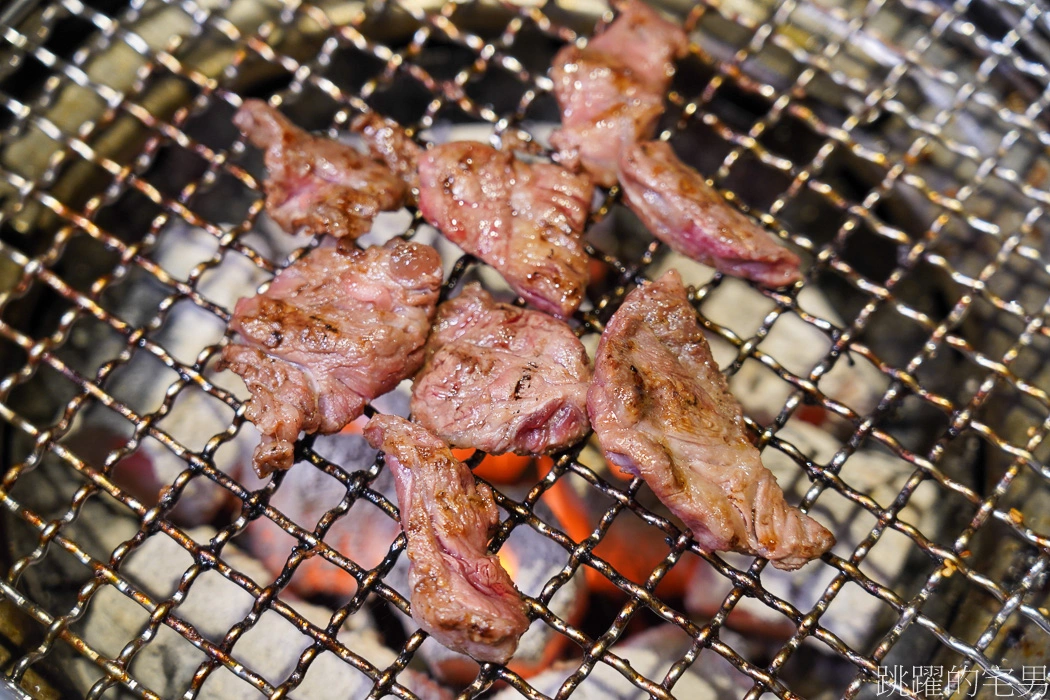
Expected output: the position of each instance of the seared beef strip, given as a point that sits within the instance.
(388, 142)
(682, 210)
(334, 330)
(461, 595)
(317, 184)
(501, 378)
(662, 410)
(611, 93)
(524, 219)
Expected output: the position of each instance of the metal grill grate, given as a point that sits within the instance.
(900, 144)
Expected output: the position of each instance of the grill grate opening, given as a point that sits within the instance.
(899, 144)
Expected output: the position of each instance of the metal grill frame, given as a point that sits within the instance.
(942, 21)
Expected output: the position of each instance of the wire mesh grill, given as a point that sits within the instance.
(899, 144)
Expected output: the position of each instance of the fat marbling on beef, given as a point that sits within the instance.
(611, 93)
(334, 330)
(314, 183)
(682, 210)
(662, 410)
(524, 219)
(502, 379)
(460, 595)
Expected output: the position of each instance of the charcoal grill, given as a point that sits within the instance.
(900, 145)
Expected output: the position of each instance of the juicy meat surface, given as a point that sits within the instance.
(315, 183)
(677, 205)
(461, 595)
(662, 410)
(502, 379)
(524, 219)
(388, 142)
(611, 93)
(644, 42)
(334, 330)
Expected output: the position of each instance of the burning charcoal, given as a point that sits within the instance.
(180, 249)
(651, 654)
(194, 417)
(148, 471)
(876, 474)
(532, 560)
(634, 548)
(499, 469)
(167, 664)
(631, 545)
(364, 534)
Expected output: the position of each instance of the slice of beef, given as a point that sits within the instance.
(524, 219)
(682, 210)
(334, 330)
(388, 142)
(662, 410)
(611, 93)
(603, 109)
(317, 184)
(502, 379)
(460, 595)
(644, 42)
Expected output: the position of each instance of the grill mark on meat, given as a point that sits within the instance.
(662, 410)
(317, 184)
(519, 378)
(682, 210)
(332, 332)
(460, 594)
(524, 219)
(523, 383)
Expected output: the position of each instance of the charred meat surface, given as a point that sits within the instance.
(388, 142)
(502, 379)
(662, 410)
(682, 210)
(334, 330)
(611, 93)
(461, 595)
(317, 184)
(524, 219)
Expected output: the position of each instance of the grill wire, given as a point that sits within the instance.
(1001, 82)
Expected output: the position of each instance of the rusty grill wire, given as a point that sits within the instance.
(1016, 114)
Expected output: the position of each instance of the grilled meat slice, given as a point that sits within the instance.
(611, 93)
(460, 594)
(317, 184)
(502, 379)
(334, 330)
(677, 205)
(644, 42)
(603, 110)
(524, 219)
(388, 142)
(662, 410)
